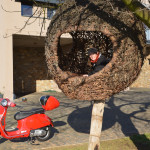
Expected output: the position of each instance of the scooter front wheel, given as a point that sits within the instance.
(45, 137)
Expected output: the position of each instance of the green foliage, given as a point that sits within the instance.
(139, 10)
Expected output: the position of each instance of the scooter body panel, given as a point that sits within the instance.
(33, 122)
(16, 134)
(3, 112)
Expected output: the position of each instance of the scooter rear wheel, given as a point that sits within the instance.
(45, 137)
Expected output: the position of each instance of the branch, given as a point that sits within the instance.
(43, 23)
(26, 23)
(32, 16)
(9, 11)
(35, 18)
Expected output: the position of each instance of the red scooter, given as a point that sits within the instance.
(32, 123)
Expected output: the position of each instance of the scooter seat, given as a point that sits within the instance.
(23, 114)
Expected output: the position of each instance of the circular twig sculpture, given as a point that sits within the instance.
(108, 26)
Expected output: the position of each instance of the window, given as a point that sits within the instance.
(148, 35)
(51, 1)
(50, 13)
(26, 10)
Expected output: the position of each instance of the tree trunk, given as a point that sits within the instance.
(139, 10)
(96, 125)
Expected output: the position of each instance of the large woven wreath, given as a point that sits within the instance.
(106, 25)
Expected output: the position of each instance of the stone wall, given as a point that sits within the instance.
(143, 79)
(46, 85)
(30, 71)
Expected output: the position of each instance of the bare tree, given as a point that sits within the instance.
(40, 12)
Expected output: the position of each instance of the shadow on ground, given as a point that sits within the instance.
(80, 119)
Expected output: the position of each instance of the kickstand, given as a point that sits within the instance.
(31, 140)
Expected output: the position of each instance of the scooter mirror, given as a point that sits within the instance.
(24, 99)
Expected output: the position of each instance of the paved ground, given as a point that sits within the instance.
(125, 114)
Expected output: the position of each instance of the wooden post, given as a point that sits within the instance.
(96, 125)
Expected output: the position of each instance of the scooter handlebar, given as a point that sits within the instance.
(6, 102)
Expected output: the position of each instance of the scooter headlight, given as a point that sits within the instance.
(4, 102)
